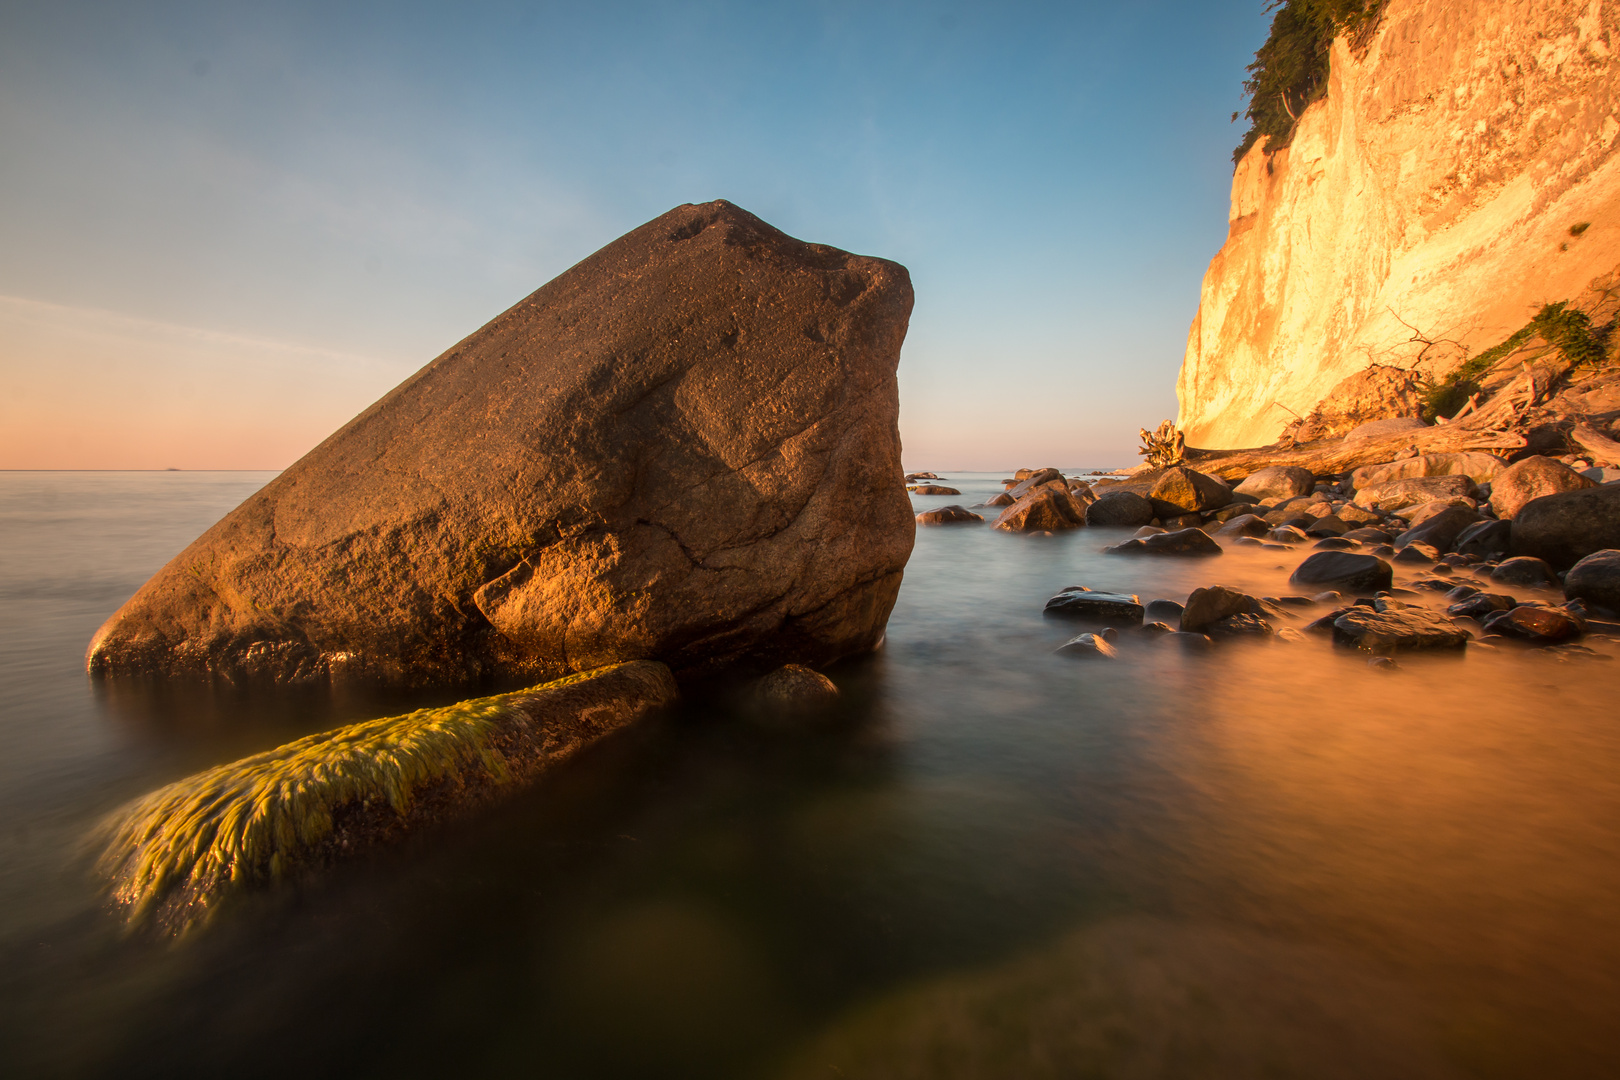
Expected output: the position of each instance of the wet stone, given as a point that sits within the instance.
(1100, 608)
(1164, 611)
(1397, 629)
(1524, 570)
(1336, 543)
(1181, 542)
(1419, 553)
(1537, 623)
(1481, 605)
(949, 515)
(1344, 570)
(1087, 646)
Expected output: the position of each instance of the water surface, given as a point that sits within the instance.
(1268, 860)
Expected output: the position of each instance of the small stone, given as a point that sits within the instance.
(794, 688)
(1462, 592)
(1156, 627)
(1288, 534)
(1383, 664)
(1147, 530)
(1290, 635)
(1207, 606)
(1327, 525)
(1244, 525)
(1336, 543)
(1328, 597)
(932, 489)
(1369, 536)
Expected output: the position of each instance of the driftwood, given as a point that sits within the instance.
(1603, 451)
(1164, 447)
(1485, 427)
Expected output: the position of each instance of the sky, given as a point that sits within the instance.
(227, 228)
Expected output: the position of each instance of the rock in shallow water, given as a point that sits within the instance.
(1208, 606)
(685, 448)
(1386, 629)
(1124, 509)
(1180, 542)
(1103, 609)
(949, 515)
(1088, 645)
(1536, 622)
(1524, 570)
(1563, 529)
(1346, 571)
(1595, 578)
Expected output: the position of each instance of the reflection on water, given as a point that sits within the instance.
(1261, 861)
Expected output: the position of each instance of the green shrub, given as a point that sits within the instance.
(1291, 69)
(1566, 329)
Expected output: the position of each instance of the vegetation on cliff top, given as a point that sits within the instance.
(1291, 69)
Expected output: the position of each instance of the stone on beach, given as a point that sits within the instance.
(1182, 490)
(1531, 478)
(1479, 467)
(1565, 528)
(1119, 509)
(683, 448)
(1413, 491)
(1481, 604)
(1244, 525)
(1277, 482)
(1483, 538)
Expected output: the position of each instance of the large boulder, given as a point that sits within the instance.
(1413, 491)
(1477, 466)
(1278, 482)
(1119, 508)
(1187, 491)
(684, 448)
(1563, 529)
(1596, 578)
(1531, 478)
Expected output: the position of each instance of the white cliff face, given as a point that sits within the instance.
(1428, 198)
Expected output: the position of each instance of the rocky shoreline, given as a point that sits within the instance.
(1430, 552)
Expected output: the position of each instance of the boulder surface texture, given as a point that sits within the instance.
(1566, 528)
(684, 448)
(1531, 478)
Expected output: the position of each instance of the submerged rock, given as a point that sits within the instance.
(1088, 645)
(1524, 570)
(1537, 622)
(683, 448)
(175, 854)
(793, 690)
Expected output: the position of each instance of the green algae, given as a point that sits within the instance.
(175, 854)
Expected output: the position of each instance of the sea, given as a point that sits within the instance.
(1263, 859)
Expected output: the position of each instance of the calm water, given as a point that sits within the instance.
(1265, 861)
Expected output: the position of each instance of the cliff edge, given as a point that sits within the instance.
(1462, 170)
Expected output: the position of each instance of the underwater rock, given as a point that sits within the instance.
(174, 855)
(683, 448)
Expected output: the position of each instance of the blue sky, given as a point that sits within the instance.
(224, 229)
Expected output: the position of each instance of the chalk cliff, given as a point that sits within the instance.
(1425, 209)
